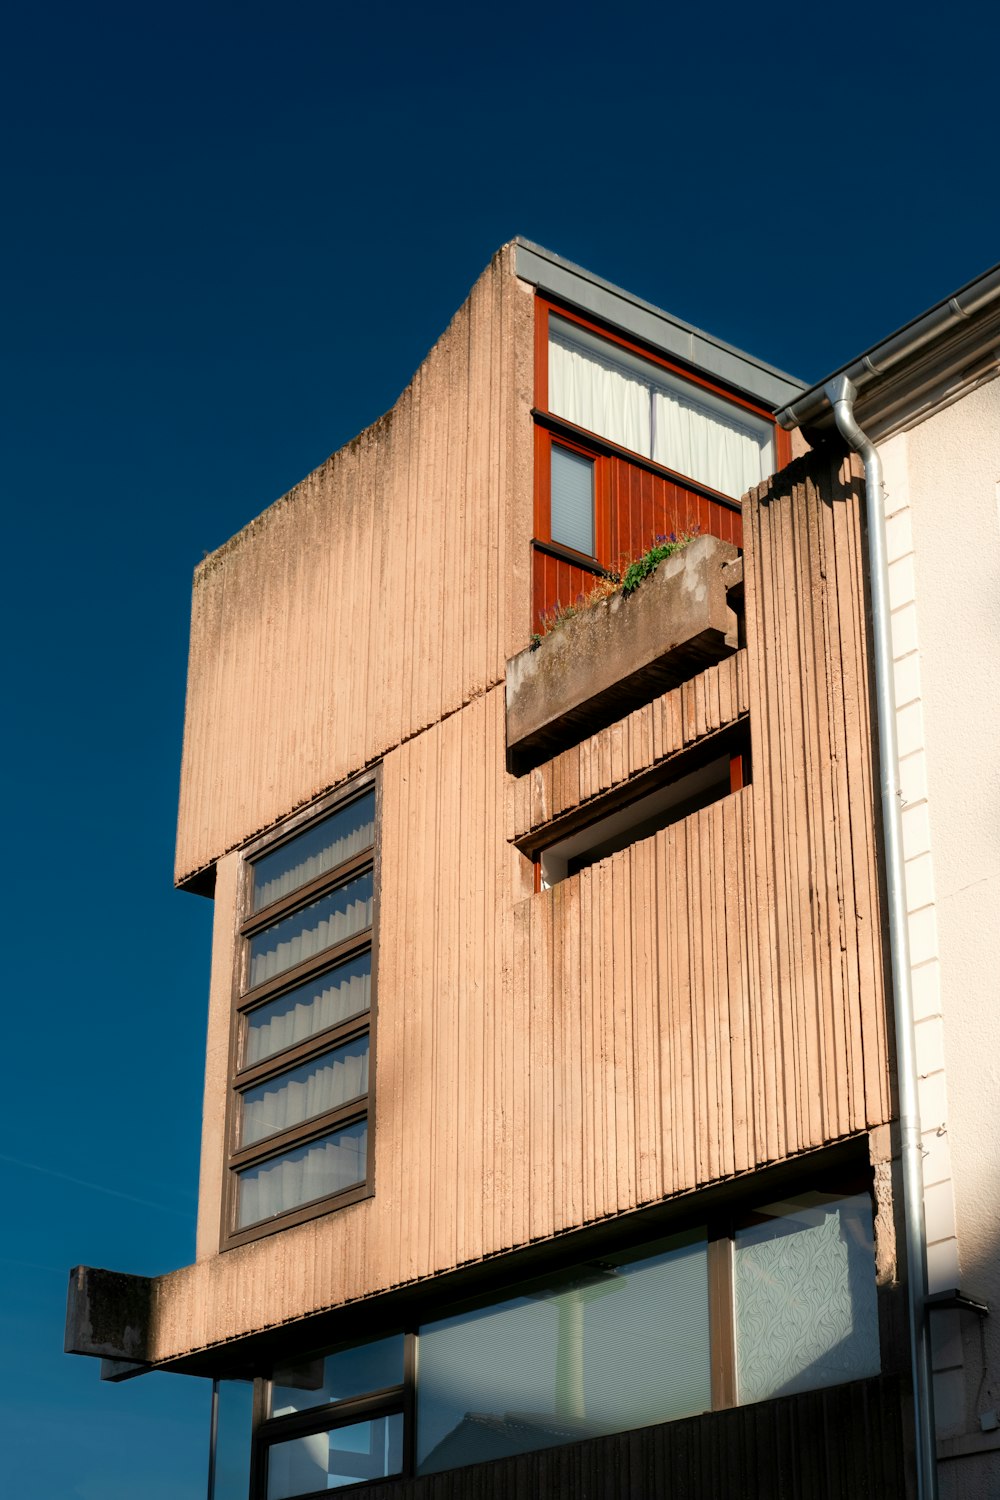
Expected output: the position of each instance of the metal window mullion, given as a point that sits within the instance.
(289, 978)
(299, 1135)
(304, 894)
(334, 1414)
(303, 1052)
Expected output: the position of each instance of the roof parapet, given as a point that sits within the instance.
(570, 283)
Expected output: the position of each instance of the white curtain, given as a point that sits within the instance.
(698, 440)
(326, 1166)
(314, 852)
(305, 1092)
(321, 925)
(307, 1011)
(599, 395)
(637, 405)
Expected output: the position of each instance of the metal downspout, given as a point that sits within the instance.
(841, 394)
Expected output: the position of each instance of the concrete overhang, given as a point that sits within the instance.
(928, 363)
(565, 282)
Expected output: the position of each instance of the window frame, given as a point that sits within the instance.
(247, 999)
(565, 429)
(721, 1219)
(544, 441)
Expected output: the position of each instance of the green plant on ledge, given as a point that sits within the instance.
(625, 580)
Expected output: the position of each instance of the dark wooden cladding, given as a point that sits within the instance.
(844, 1443)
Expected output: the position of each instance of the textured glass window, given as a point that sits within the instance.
(805, 1296)
(618, 1344)
(312, 853)
(355, 1371)
(308, 1009)
(329, 1165)
(324, 923)
(329, 1460)
(572, 521)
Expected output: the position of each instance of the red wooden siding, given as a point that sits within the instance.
(646, 505)
(555, 583)
(643, 506)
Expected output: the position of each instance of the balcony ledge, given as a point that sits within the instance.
(613, 657)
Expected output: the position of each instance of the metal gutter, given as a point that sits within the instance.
(569, 283)
(975, 301)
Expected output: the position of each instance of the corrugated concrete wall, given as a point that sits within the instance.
(640, 741)
(695, 1006)
(383, 592)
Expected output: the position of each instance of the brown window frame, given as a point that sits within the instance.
(247, 998)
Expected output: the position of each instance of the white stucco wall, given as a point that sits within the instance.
(943, 508)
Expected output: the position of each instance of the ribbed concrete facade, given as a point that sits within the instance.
(700, 1004)
(381, 594)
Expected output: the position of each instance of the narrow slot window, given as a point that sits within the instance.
(668, 803)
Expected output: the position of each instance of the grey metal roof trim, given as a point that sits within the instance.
(566, 282)
(930, 360)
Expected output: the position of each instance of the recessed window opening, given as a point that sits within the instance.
(637, 820)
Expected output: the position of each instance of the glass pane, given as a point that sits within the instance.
(354, 1371)
(618, 1345)
(805, 1296)
(309, 1009)
(639, 405)
(329, 1165)
(314, 852)
(598, 385)
(572, 499)
(336, 916)
(710, 440)
(230, 1465)
(328, 1460)
(304, 1092)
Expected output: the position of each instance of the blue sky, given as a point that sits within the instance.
(232, 232)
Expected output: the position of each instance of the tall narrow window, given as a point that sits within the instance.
(302, 1039)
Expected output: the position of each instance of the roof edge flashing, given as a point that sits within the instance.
(567, 282)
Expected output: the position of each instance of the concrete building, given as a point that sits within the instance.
(551, 1091)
